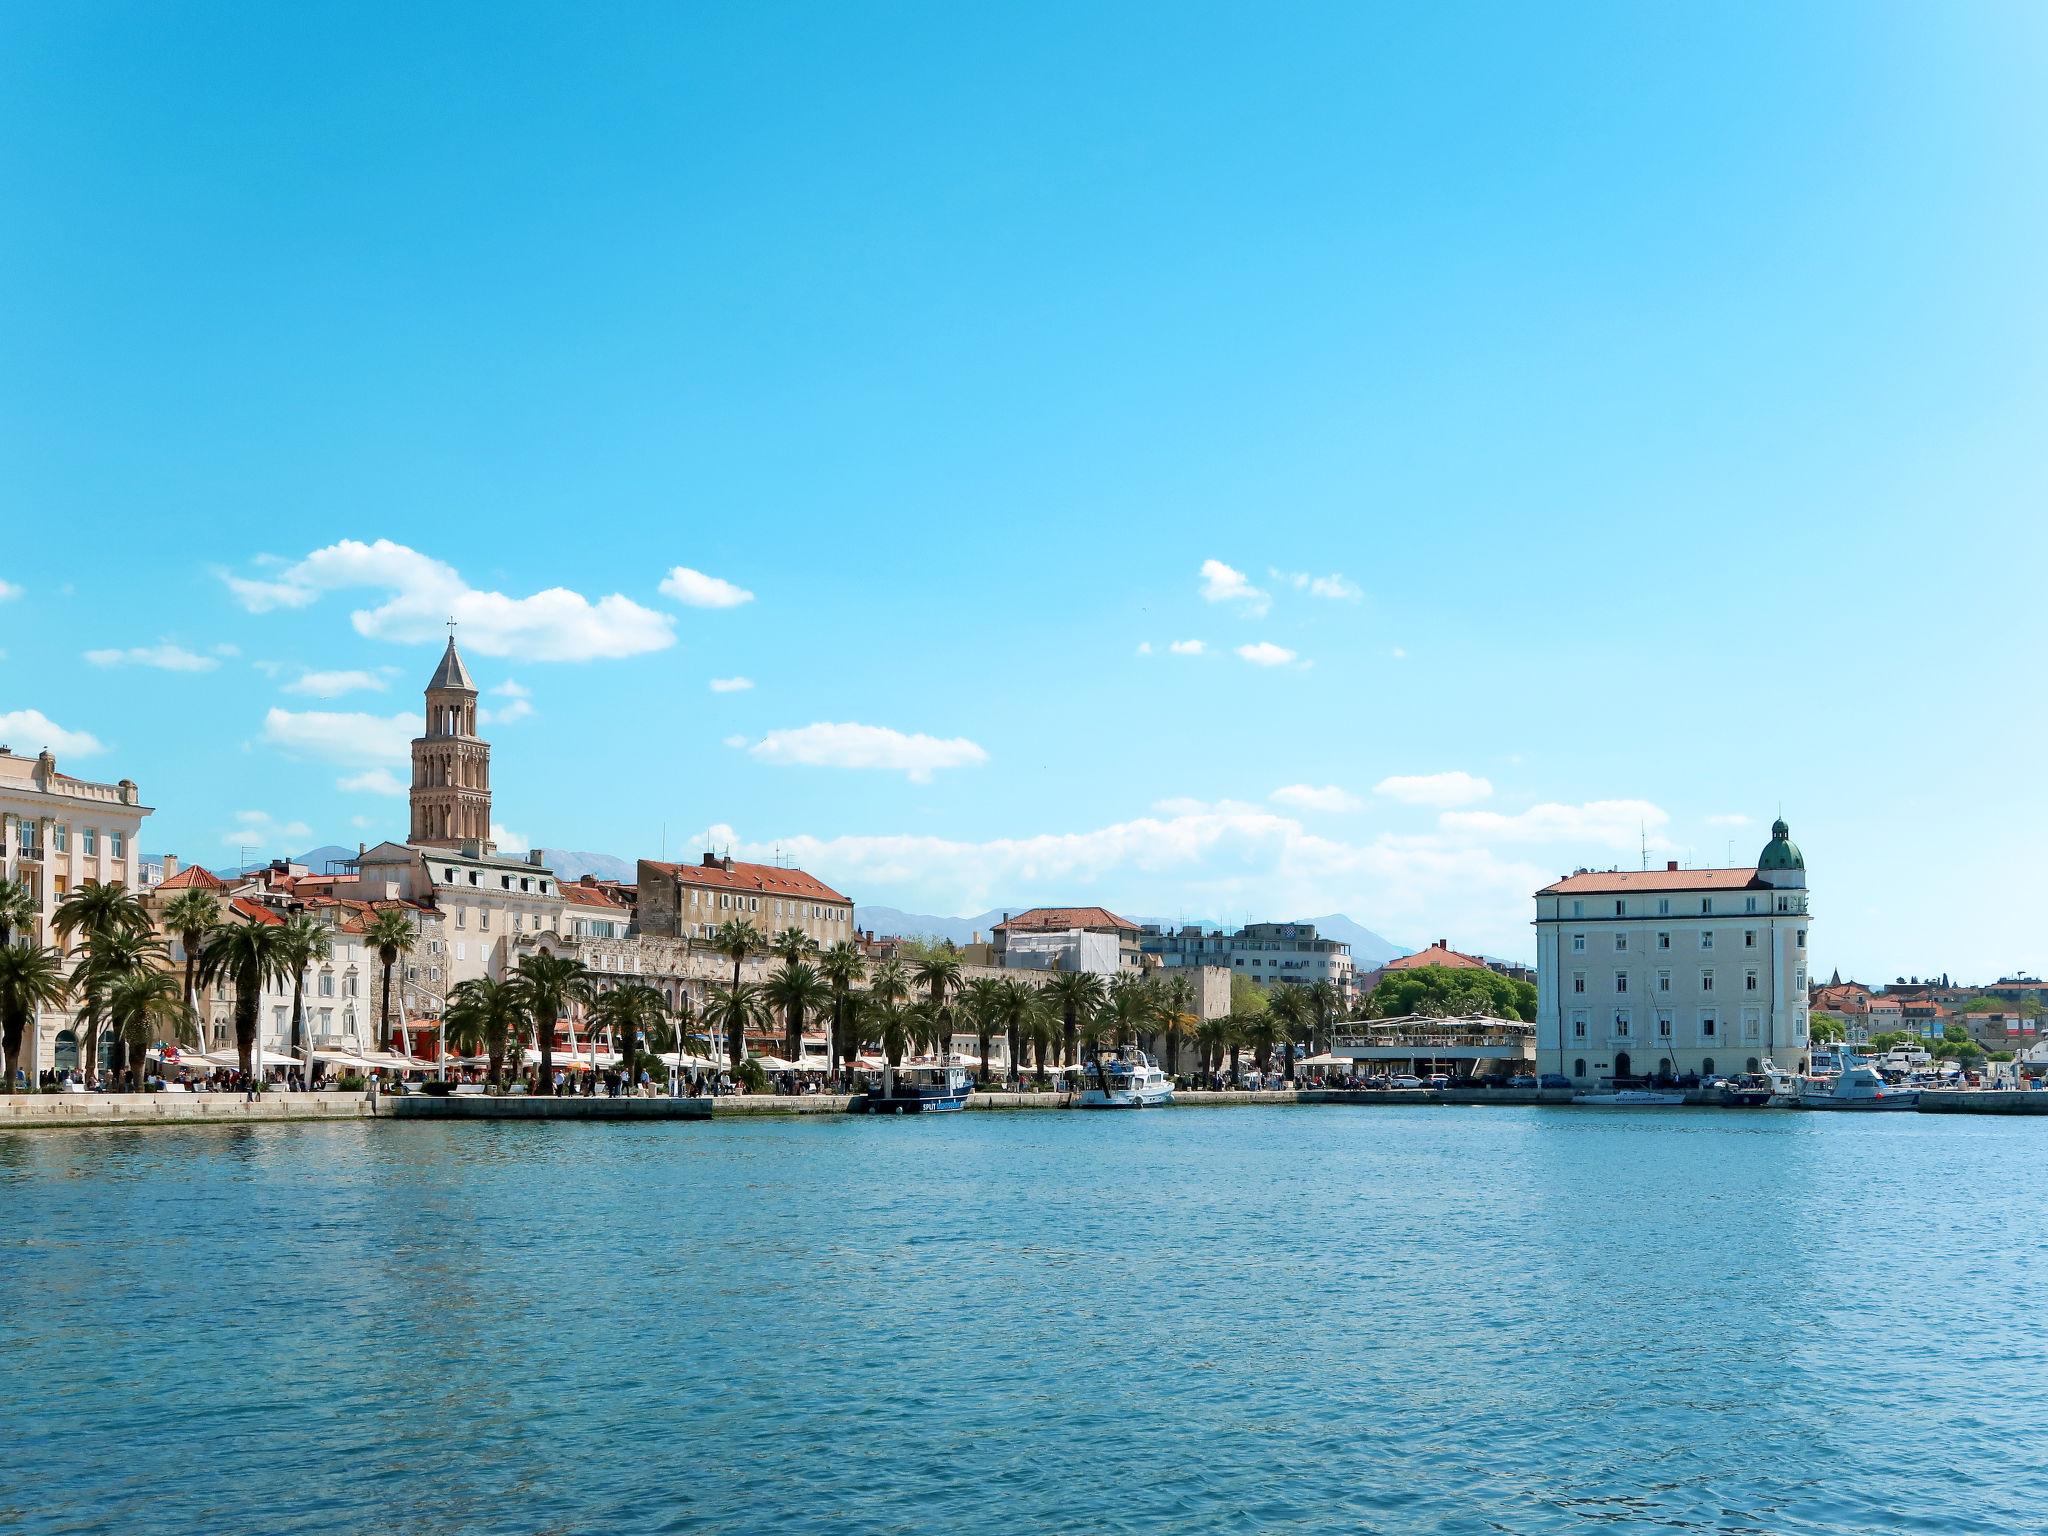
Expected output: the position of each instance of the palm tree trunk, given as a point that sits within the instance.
(246, 1020)
(298, 1022)
(546, 1029)
(384, 1018)
(793, 1024)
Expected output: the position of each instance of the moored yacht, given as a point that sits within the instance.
(915, 1091)
(1130, 1080)
(1857, 1086)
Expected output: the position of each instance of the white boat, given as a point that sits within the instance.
(1856, 1086)
(1631, 1098)
(1784, 1085)
(1131, 1080)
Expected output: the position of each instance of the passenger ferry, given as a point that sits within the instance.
(1132, 1080)
(922, 1090)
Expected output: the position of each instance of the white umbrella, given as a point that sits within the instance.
(775, 1064)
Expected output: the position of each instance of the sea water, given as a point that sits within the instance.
(1306, 1319)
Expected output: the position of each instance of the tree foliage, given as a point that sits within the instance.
(1442, 991)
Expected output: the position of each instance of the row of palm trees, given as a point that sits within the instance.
(123, 981)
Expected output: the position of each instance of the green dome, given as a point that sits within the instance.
(1781, 852)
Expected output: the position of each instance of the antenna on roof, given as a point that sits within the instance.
(1643, 831)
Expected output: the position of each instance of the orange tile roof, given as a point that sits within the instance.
(1615, 881)
(256, 911)
(770, 879)
(193, 877)
(1058, 919)
(1438, 953)
(590, 896)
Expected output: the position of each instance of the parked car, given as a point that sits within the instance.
(1554, 1080)
(1525, 1080)
(1439, 1081)
(1404, 1080)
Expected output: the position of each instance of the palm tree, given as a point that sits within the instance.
(984, 997)
(630, 1015)
(790, 945)
(1260, 1031)
(390, 933)
(142, 1006)
(1292, 1012)
(843, 965)
(17, 909)
(1017, 1010)
(192, 915)
(305, 939)
(110, 955)
(551, 983)
(1041, 1028)
(1076, 994)
(889, 981)
(796, 989)
(891, 1023)
(100, 908)
(1213, 1037)
(115, 927)
(31, 978)
(248, 956)
(939, 974)
(1326, 1004)
(736, 1010)
(486, 1015)
(736, 938)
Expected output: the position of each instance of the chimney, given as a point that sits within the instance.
(728, 863)
(711, 861)
(170, 865)
(1671, 863)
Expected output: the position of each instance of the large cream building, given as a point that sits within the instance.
(1641, 972)
(56, 833)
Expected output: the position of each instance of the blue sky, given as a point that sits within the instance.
(1625, 419)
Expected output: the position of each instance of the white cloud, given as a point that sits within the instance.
(511, 688)
(510, 713)
(374, 781)
(332, 685)
(1213, 858)
(731, 684)
(1608, 823)
(1310, 797)
(1144, 647)
(1399, 654)
(1187, 647)
(422, 593)
(847, 745)
(1333, 586)
(1437, 789)
(8, 591)
(694, 589)
(332, 736)
(735, 741)
(362, 823)
(1221, 584)
(1728, 819)
(507, 840)
(164, 656)
(28, 731)
(1266, 654)
(260, 831)
(225, 649)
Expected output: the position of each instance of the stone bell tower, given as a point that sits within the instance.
(451, 764)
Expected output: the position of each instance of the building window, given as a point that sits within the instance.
(1707, 939)
(1578, 909)
(1663, 981)
(1706, 981)
(1578, 1026)
(1578, 981)
(1621, 1025)
(462, 917)
(1749, 981)
(1663, 941)
(1799, 939)
(88, 840)
(1578, 943)
(327, 983)
(117, 845)
(461, 950)
(1749, 903)
(1621, 943)
(450, 874)
(1749, 938)
(1621, 981)
(483, 919)
(1784, 903)
(1663, 1024)
(1707, 1027)
(1579, 1067)
(1621, 909)
(60, 836)
(1706, 906)
(1664, 906)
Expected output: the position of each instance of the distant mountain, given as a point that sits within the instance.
(1368, 949)
(568, 864)
(316, 859)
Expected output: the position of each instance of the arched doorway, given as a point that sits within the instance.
(65, 1057)
(1754, 1065)
(1707, 1067)
(1621, 1064)
(1579, 1067)
(1663, 1066)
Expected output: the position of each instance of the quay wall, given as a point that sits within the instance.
(47, 1111)
(1963, 1101)
(519, 1106)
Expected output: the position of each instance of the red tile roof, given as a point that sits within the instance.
(769, 879)
(256, 911)
(193, 877)
(1059, 919)
(581, 895)
(1617, 881)
(1438, 953)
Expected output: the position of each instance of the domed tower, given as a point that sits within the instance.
(451, 764)
(1781, 863)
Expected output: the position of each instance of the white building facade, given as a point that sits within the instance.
(1647, 973)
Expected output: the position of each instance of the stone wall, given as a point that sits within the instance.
(21, 1111)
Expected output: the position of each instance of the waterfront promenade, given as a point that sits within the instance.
(57, 1111)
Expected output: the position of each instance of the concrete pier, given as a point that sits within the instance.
(1963, 1101)
(519, 1106)
(57, 1111)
